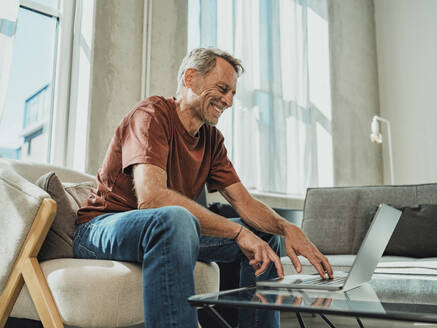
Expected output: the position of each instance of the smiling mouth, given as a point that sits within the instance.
(218, 109)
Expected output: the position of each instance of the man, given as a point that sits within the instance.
(143, 210)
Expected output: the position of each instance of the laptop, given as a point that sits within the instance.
(384, 223)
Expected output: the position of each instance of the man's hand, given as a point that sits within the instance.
(263, 218)
(258, 252)
(297, 243)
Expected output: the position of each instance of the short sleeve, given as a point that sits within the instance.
(222, 173)
(144, 138)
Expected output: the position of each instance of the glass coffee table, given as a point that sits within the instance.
(398, 297)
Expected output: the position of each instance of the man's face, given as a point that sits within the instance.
(211, 94)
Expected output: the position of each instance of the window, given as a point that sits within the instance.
(38, 81)
(278, 133)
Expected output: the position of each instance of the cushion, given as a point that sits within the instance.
(336, 219)
(31, 171)
(344, 263)
(101, 293)
(414, 235)
(59, 241)
(19, 203)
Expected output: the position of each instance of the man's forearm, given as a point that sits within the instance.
(262, 217)
(211, 224)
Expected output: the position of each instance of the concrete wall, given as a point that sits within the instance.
(354, 88)
(116, 73)
(406, 33)
(118, 63)
(168, 45)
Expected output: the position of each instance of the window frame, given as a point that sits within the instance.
(61, 74)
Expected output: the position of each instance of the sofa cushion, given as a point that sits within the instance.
(337, 219)
(31, 171)
(20, 201)
(387, 264)
(414, 235)
(99, 293)
(59, 241)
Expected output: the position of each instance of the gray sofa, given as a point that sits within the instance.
(337, 219)
(86, 293)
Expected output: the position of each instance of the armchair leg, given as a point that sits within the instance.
(10, 295)
(27, 270)
(40, 293)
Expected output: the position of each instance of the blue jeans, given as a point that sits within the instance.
(167, 243)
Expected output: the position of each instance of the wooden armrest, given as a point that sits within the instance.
(27, 270)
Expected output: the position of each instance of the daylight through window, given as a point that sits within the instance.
(25, 125)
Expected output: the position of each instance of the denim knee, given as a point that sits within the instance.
(182, 220)
(178, 227)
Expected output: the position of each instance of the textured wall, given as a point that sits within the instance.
(116, 75)
(354, 85)
(407, 60)
(169, 45)
(117, 63)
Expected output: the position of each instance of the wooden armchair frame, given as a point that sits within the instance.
(27, 270)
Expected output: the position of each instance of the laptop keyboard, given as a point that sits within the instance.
(322, 282)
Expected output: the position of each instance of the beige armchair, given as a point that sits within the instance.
(63, 291)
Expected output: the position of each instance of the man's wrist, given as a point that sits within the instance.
(238, 233)
(287, 227)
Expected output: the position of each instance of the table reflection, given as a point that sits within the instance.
(362, 298)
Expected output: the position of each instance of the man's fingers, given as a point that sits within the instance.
(264, 265)
(317, 264)
(327, 267)
(258, 262)
(324, 302)
(277, 261)
(318, 301)
(258, 256)
(279, 299)
(298, 244)
(261, 297)
(294, 259)
(297, 300)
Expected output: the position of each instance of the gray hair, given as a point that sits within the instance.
(203, 60)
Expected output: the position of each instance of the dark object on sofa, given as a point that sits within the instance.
(417, 226)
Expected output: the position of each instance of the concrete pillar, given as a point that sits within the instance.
(354, 88)
(120, 76)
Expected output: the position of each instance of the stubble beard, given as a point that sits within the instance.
(204, 111)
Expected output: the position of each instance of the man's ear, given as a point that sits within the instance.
(189, 75)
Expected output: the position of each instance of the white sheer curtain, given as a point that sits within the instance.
(278, 132)
(8, 26)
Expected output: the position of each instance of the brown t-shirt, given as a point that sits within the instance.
(153, 134)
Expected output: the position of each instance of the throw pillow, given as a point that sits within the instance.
(414, 235)
(68, 197)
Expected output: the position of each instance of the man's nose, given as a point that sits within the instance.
(228, 99)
